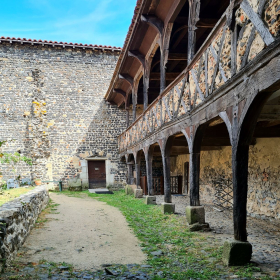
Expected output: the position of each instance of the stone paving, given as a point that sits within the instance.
(264, 235)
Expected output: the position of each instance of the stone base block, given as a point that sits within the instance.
(168, 208)
(75, 188)
(138, 193)
(150, 200)
(236, 252)
(199, 227)
(129, 189)
(195, 214)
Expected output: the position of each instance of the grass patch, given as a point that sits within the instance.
(11, 194)
(172, 250)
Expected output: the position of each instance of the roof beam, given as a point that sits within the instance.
(127, 78)
(168, 76)
(139, 56)
(153, 21)
(119, 91)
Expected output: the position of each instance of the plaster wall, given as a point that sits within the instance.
(264, 174)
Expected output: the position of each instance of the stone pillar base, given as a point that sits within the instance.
(168, 208)
(129, 189)
(150, 200)
(138, 193)
(195, 214)
(236, 252)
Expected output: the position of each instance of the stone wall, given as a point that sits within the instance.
(17, 218)
(264, 174)
(52, 104)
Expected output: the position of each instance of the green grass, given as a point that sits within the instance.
(185, 254)
(11, 194)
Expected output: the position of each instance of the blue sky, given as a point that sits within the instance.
(102, 22)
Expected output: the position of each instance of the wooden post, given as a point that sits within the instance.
(193, 19)
(129, 173)
(134, 102)
(166, 175)
(138, 170)
(127, 117)
(194, 179)
(240, 157)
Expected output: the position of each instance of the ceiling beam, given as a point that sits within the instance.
(127, 78)
(153, 21)
(139, 56)
(168, 76)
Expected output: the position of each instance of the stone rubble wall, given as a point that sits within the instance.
(17, 218)
(52, 104)
(263, 181)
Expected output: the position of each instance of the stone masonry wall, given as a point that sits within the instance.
(17, 219)
(52, 104)
(264, 174)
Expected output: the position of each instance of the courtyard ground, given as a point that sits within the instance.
(172, 251)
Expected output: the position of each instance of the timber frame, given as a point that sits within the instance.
(216, 100)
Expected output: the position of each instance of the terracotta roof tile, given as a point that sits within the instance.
(55, 43)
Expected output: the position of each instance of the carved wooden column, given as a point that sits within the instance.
(146, 79)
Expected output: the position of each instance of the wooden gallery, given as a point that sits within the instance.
(200, 83)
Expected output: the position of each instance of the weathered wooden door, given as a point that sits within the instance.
(96, 174)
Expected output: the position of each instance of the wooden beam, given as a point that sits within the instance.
(257, 22)
(117, 90)
(139, 56)
(127, 78)
(153, 21)
(168, 76)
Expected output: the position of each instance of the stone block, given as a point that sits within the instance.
(75, 189)
(236, 252)
(195, 214)
(138, 193)
(75, 183)
(168, 208)
(199, 227)
(150, 200)
(129, 189)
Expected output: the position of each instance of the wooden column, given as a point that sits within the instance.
(149, 169)
(166, 175)
(134, 103)
(193, 19)
(145, 86)
(194, 178)
(240, 157)
(127, 117)
(138, 170)
(129, 173)
(165, 153)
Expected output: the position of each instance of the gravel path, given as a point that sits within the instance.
(264, 235)
(85, 233)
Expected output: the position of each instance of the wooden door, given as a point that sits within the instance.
(96, 174)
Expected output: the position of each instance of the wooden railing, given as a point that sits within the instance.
(224, 53)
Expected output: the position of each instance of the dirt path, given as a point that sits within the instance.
(86, 233)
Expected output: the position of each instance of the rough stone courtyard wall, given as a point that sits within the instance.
(264, 175)
(51, 103)
(17, 218)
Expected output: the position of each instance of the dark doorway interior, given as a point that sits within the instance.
(96, 174)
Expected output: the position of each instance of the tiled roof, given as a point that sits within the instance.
(56, 44)
(127, 39)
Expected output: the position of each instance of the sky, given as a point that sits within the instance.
(101, 22)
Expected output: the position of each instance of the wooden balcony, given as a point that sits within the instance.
(226, 53)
